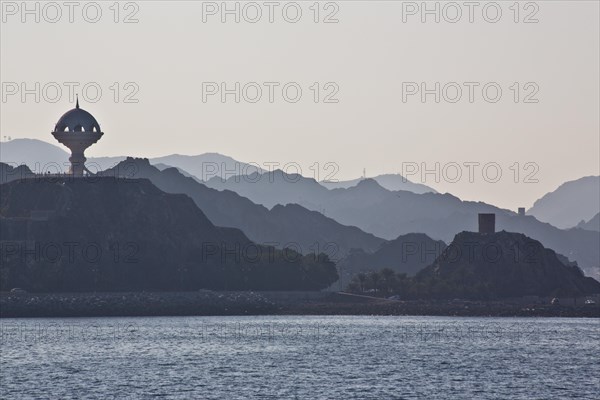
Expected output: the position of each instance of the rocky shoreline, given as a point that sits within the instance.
(211, 303)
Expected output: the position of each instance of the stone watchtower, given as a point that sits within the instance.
(77, 129)
(487, 223)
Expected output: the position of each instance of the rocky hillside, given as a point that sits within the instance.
(10, 172)
(500, 265)
(406, 254)
(64, 234)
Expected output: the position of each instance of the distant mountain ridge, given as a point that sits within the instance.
(208, 165)
(36, 154)
(41, 156)
(570, 203)
(391, 182)
(291, 224)
(389, 214)
(592, 225)
(377, 211)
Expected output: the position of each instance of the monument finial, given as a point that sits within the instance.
(77, 102)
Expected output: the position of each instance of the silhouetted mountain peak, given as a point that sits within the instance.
(369, 183)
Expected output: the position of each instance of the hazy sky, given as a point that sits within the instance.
(369, 61)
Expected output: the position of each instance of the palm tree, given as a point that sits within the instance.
(362, 279)
(376, 279)
(389, 279)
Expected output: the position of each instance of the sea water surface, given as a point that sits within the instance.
(295, 357)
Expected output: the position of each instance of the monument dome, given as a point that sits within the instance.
(77, 129)
(77, 120)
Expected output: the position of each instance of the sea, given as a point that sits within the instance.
(300, 357)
